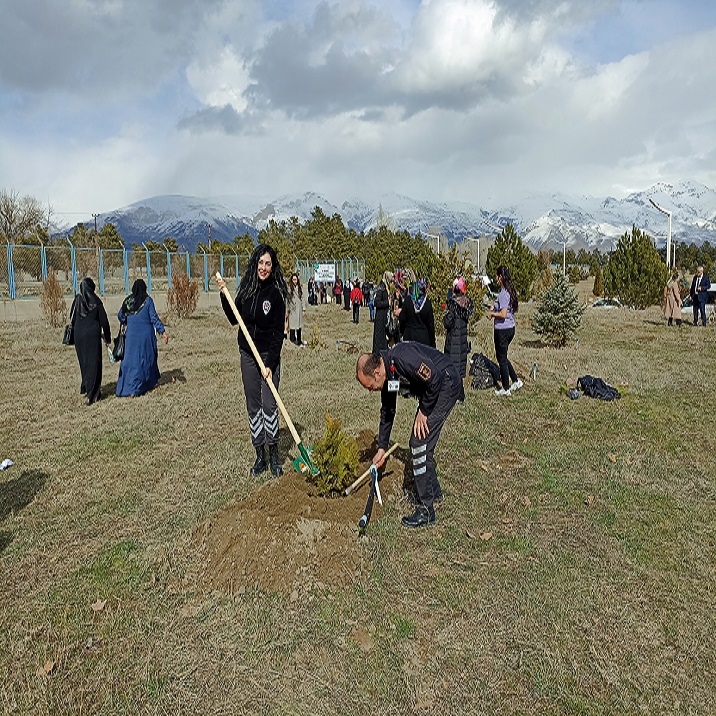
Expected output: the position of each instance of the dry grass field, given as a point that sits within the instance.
(571, 569)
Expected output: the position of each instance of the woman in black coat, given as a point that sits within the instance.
(417, 322)
(90, 325)
(459, 310)
(381, 303)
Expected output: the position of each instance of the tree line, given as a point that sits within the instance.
(634, 271)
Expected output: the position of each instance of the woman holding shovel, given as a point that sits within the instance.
(261, 302)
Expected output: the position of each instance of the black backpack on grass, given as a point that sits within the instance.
(485, 374)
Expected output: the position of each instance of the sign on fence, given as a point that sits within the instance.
(325, 273)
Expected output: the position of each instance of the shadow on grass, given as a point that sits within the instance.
(17, 494)
(175, 375)
(20, 492)
(172, 376)
(5, 539)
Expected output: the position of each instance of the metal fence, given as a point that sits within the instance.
(24, 269)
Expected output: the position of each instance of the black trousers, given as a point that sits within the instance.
(294, 335)
(260, 403)
(356, 312)
(422, 451)
(503, 338)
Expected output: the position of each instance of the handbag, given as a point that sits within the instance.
(118, 351)
(68, 338)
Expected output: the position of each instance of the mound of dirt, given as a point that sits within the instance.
(286, 538)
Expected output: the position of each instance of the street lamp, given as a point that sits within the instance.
(564, 257)
(435, 236)
(668, 232)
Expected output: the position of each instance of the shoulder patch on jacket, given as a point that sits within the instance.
(424, 371)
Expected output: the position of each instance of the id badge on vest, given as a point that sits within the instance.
(393, 383)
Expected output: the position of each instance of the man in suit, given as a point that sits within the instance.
(699, 293)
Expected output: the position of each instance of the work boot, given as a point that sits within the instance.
(422, 516)
(275, 461)
(260, 465)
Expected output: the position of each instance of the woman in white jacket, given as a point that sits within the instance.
(295, 309)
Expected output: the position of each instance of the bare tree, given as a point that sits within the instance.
(18, 215)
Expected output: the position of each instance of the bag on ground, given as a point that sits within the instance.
(485, 374)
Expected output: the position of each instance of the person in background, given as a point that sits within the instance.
(673, 302)
(699, 293)
(90, 326)
(295, 310)
(356, 300)
(417, 321)
(381, 304)
(261, 302)
(347, 288)
(311, 292)
(322, 291)
(455, 320)
(338, 291)
(503, 313)
(139, 371)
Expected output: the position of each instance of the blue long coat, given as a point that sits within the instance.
(139, 371)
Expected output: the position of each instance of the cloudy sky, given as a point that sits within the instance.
(106, 102)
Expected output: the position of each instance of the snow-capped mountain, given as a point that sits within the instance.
(542, 220)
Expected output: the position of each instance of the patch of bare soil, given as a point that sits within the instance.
(286, 538)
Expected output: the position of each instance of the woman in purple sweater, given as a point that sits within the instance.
(503, 312)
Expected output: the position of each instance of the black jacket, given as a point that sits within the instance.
(421, 369)
(381, 302)
(417, 325)
(455, 321)
(264, 315)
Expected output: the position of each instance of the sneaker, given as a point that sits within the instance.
(516, 385)
(502, 391)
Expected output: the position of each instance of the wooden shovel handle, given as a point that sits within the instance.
(259, 361)
(358, 482)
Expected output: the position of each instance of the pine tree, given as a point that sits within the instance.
(598, 289)
(559, 314)
(635, 272)
(508, 250)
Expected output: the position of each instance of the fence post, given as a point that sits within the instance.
(10, 272)
(43, 262)
(101, 272)
(221, 263)
(188, 265)
(74, 265)
(206, 273)
(237, 271)
(149, 269)
(169, 269)
(125, 260)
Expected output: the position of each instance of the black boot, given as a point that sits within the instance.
(422, 516)
(275, 460)
(260, 464)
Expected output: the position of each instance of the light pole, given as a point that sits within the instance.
(435, 236)
(668, 232)
(564, 257)
(472, 238)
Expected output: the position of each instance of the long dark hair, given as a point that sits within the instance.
(88, 299)
(504, 273)
(250, 283)
(298, 285)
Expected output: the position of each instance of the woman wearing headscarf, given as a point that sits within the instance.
(261, 302)
(381, 304)
(455, 320)
(417, 322)
(503, 312)
(139, 372)
(91, 325)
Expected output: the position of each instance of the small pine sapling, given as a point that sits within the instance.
(183, 297)
(336, 457)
